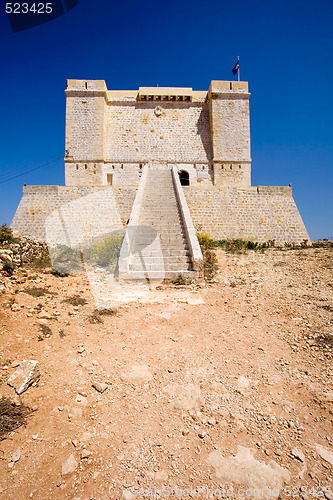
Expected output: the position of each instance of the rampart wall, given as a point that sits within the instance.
(255, 213)
(98, 207)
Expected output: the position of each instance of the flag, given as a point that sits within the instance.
(235, 68)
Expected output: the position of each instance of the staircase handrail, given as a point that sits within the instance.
(132, 225)
(191, 237)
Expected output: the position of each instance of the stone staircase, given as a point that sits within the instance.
(160, 248)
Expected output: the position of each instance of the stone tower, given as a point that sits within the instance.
(113, 137)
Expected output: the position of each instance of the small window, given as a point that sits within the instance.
(109, 179)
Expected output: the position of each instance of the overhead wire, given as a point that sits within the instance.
(28, 166)
(11, 177)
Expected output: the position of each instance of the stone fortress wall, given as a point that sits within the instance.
(39, 202)
(111, 135)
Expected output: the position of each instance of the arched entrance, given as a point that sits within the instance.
(184, 178)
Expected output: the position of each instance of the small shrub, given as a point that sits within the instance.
(205, 240)
(38, 292)
(42, 260)
(107, 312)
(75, 300)
(64, 260)
(251, 245)
(325, 243)
(8, 267)
(239, 245)
(12, 416)
(210, 266)
(46, 332)
(179, 280)
(6, 235)
(95, 318)
(59, 274)
(104, 252)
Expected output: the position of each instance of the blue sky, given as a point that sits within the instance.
(285, 50)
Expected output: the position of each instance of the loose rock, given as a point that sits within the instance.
(324, 453)
(24, 376)
(100, 386)
(85, 453)
(68, 466)
(297, 453)
(16, 455)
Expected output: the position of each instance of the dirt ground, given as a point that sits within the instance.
(211, 389)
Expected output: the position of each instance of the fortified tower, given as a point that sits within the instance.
(117, 144)
(111, 135)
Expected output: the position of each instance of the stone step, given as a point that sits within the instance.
(167, 221)
(176, 246)
(134, 259)
(158, 275)
(153, 267)
(166, 253)
(171, 232)
(167, 200)
(154, 212)
(172, 213)
(158, 233)
(140, 245)
(166, 211)
(160, 225)
(164, 242)
(160, 228)
(160, 260)
(161, 232)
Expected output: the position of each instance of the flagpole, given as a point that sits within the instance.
(238, 69)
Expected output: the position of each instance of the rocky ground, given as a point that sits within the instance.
(218, 389)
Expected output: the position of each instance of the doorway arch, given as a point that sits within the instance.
(184, 178)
